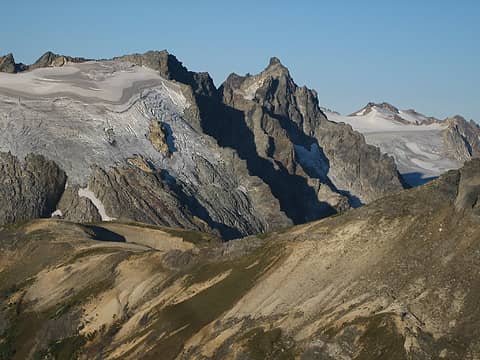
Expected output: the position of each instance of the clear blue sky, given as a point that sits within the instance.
(420, 54)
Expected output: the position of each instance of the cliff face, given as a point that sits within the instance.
(30, 189)
(462, 138)
(275, 124)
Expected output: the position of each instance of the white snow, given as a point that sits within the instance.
(378, 120)
(251, 90)
(77, 127)
(92, 82)
(419, 150)
(57, 212)
(87, 193)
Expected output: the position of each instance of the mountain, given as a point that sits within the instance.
(142, 138)
(395, 279)
(423, 147)
(49, 59)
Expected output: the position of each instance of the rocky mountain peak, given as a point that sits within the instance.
(384, 106)
(276, 69)
(274, 61)
(7, 64)
(171, 68)
(50, 59)
(456, 118)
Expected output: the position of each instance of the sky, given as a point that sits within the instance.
(421, 54)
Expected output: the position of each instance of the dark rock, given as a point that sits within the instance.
(286, 140)
(170, 68)
(468, 196)
(7, 64)
(462, 138)
(49, 59)
(76, 208)
(29, 189)
(131, 194)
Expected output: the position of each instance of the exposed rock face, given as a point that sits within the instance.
(158, 136)
(468, 196)
(462, 138)
(29, 189)
(170, 68)
(279, 129)
(128, 193)
(7, 64)
(357, 168)
(72, 207)
(49, 59)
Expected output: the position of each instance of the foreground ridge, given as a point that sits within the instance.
(394, 279)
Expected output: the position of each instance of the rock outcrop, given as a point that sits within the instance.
(73, 207)
(7, 64)
(50, 59)
(468, 195)
(158, 136)
(462, 138)
(30, 188)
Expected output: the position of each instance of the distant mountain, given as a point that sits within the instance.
(49, 59)
(423, 146)
(142, 138)
(391, 112)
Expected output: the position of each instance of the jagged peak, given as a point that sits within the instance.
(274, 61)
(7, 56)
(456, 118)
(7, 63)
(51, 59)
(276, 68)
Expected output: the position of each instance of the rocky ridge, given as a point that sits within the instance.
(49, 59)
(395, 279)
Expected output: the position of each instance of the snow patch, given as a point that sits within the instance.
(56, 213)
(418, 148)
(87, 193)
(251, 90)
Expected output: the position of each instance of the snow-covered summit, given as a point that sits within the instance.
(423, 147)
